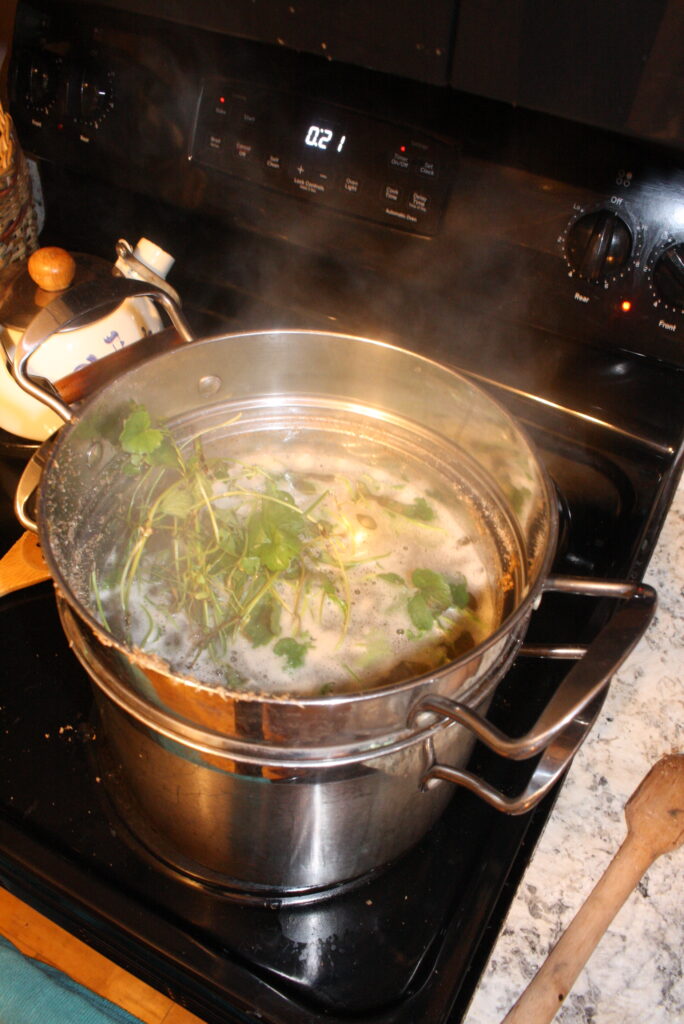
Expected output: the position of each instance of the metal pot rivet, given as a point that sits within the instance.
(209, 385)
(429, 784)
(94, 454)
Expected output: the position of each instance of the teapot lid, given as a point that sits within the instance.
(21, 298)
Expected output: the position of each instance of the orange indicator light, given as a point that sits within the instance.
(626, 305)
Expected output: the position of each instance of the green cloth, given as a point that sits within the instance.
(34, 993)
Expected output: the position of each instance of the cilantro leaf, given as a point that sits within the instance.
(328, 588)
(292, 651)
(164, 455)
(421, 510)
(264, 622)
(459, 591)
(519, 497)
(277, 553)
(138, 436)
(392, 577)
(434, 588)
(421, 616)
(281, 515)
(418, 510)
(177, 502)
(250, 564)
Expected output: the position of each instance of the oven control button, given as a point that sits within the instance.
(419, 201)
(400, 160)
(312, 180)
(351, 185)
(427, 169)
(243, 150)
(599, 245)
(668, 275)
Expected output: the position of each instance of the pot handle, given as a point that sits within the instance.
(28, 482)
(66, 310)
(569, 715)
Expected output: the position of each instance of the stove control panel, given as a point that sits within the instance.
(324, 154)
(624, 257)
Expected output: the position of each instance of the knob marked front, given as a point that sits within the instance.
(668, 275)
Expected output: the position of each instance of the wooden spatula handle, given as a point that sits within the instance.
(655, 824)
(545, 994)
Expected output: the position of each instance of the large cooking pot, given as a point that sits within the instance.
(271, 791)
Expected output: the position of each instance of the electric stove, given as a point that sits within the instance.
(539, 255)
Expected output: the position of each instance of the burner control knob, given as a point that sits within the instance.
(42, 85)
(668, 275)
(599, 245)
(95, 95)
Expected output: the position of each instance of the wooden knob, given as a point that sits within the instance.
(52, 268)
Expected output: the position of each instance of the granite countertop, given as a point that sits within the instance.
(636, 974)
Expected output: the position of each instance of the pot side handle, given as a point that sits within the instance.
(28, 483)
(567, 718)
(66, 310)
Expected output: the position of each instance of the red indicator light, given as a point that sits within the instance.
(222, 99)
(402, 149)
(626, 305)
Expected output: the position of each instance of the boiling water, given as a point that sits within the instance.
(306, 561)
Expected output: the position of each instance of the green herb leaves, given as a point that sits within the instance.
(420, 613)
(280, 559)
(434, 594)
(281, 525)
(138, 436)
(292, 651)
(392, 577)
(146, 445)
(418, 509)
(263, 625)
(433, 587)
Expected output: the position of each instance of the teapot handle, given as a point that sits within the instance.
(65, 311)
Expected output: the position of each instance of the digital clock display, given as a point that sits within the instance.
(324, 138)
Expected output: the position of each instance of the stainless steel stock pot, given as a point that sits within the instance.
(299, 793)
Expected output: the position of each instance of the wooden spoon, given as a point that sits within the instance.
(655, 825)
(23, 565)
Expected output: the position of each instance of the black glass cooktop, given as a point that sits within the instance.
(405, 945)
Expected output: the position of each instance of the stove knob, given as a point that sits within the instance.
(42, 83)
(95, 96)
(599, 245)
(668, 275)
